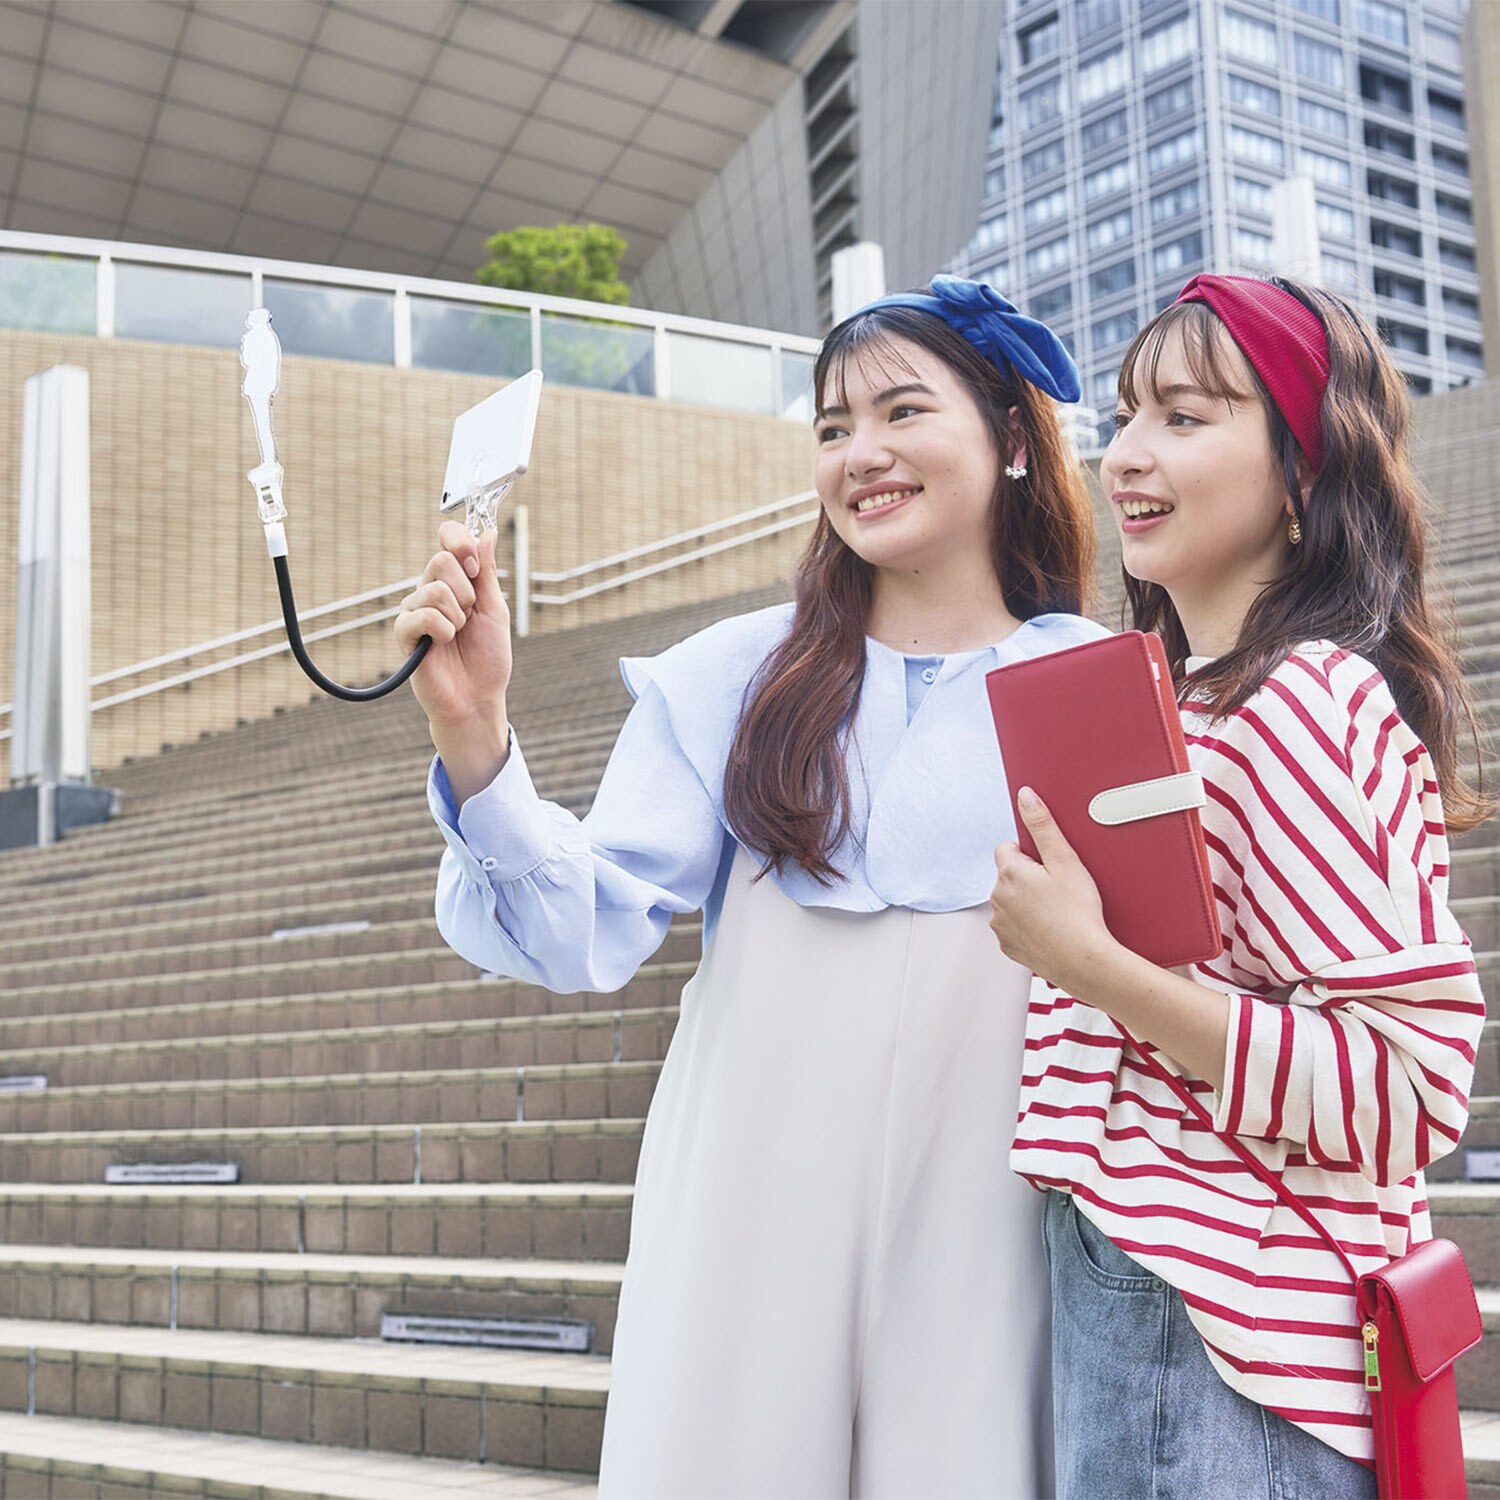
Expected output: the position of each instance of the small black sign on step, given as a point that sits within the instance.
(561, 1335)
(23, 1083)
(152, 1173)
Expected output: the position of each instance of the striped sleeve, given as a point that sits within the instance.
(1365, 1058)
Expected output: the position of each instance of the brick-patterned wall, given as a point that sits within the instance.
(178, 556)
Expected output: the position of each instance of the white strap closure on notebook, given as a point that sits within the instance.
(1148, 799)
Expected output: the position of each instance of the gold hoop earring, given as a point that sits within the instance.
(1294, 532)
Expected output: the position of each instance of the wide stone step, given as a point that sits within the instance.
(515, 1151)
(422, 1047)
(1468, 1213)
(227, 922)
(1483, 1129)
(655, 983)
(508, 1406)
(1478, 1372)
(494, 1221)
(1481, 1430)
(323, 1296)
(47, 1458)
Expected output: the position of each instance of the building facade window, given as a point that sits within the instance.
(1386, 23)
(1112, 279)
(1168, 101)
(1331, 171)
(1042, 40)
(1164, 45)
(1044, 210)
(1260, 97)
(1318, 61)
(1443, 48)
(1177, 200)
(1388, 90)
(1251, 145)
(1324, 10)
(1455, 209)
(1177, 254)
(1251, 196)
(1107, 180)
(1387, 189)
(1338, 271)
(1045, 161)
(1323, 118)
(1042, 259)
(1102, 77)
(1402, 336)
(1446, 109)
(1389, 141)
(1104, 390)
(1095, 16)
(1098, 135)
(1337, 223)
(991, 232)
(1051, 304)
(1243, 36)
(1044, 103)
(1397, 237)
(1174, 150)
(1108, 231)
(1119, 329)
(1461, 352)
(1252, 248)
(1446, 159)
(1397, 288)
(1456, 257)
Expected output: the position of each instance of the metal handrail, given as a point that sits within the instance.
(185, 653)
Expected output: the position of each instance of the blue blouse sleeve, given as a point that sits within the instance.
(528, 890)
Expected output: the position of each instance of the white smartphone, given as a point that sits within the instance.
(491, 443)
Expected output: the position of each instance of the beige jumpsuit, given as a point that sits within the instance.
(835, 1284)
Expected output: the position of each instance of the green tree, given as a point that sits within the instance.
(568, 260)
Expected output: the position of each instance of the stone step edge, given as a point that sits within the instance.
(525, 1374)
(515, 1273)
(542, 1194)
(128, 1453)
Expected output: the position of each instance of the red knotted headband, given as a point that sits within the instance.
(1284, 342)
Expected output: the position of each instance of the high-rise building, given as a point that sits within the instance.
(1135, 142)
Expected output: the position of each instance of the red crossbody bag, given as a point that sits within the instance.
(1417, 1314)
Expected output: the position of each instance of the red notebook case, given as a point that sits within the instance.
(1094, 731)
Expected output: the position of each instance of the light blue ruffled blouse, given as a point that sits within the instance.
(528, 890)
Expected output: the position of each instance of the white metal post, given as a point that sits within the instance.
(521, 590)
(50, 743)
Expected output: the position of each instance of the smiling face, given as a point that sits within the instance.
(1199, 495)
(906, 466)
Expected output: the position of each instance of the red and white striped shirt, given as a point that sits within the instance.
(1356, 1013)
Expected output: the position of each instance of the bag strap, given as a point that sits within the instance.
(1248, 1157)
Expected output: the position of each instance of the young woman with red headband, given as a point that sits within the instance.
(1205, 1340)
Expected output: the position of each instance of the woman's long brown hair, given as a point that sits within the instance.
(786, 785)
(1358, 578)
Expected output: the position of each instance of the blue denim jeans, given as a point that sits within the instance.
(1140, 1412)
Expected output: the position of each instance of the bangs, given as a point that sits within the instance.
(868, 343)
(1212, 359)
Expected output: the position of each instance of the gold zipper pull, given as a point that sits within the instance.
(1372, 1356)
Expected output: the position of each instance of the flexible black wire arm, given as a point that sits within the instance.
(294, 635)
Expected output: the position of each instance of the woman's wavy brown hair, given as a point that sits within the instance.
(1359, 576)
(786, 785)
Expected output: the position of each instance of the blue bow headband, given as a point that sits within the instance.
(1002, 334)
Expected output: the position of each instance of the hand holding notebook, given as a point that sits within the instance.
(1094, 731)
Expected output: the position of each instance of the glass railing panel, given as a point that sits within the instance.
(180, 306)
(333, 322)
(602, 356)
(48, 293)
(470, 338)
(796, 386)
(716, 372)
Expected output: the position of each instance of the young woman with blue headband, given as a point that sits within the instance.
(834, 1285)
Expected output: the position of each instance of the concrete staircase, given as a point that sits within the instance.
(244, 967)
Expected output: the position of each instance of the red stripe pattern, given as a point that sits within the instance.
(1350, 1050)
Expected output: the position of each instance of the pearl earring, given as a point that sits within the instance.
(1015, 471)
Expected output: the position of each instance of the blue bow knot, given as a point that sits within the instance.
(998, 330)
